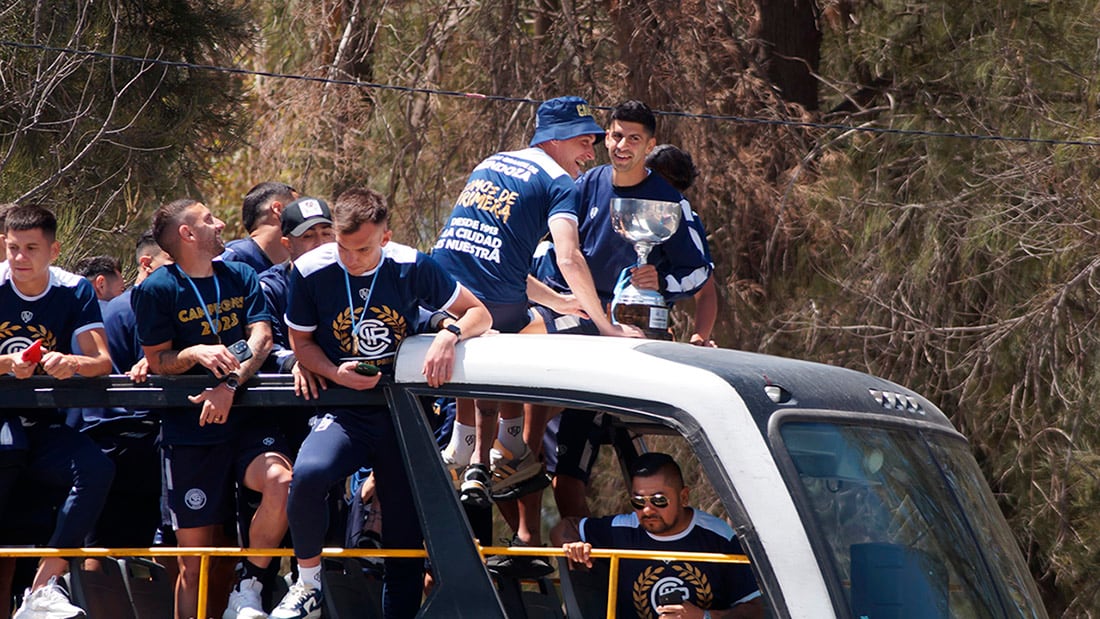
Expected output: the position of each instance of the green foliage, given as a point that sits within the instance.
(102, 142)
(971, 272)
(964, 268)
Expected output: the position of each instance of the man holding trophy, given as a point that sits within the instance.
(634, 233)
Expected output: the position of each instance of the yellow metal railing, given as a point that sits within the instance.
(615, 556)
(205, 552)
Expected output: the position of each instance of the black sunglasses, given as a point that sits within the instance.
(658, 500)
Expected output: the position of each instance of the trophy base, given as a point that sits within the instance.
(651, 319)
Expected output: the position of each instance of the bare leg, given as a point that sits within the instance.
(269, 474)
(187, 584)
(527, 519)
(530, 519)
(537, 416)
(569, 494)
(537, 324)
(524, 516)
(486, 422)
(48, 568)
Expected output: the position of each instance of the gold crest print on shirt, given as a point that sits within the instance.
(658, 579)
(374, 335)
(17, 337)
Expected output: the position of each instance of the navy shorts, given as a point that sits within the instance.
(572, 442)
(565, 323)
(509, 317)
(199, 480)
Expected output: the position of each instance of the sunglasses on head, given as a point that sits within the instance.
(658, 500)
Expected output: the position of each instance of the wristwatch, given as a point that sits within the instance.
(454, 328)
(231, 381)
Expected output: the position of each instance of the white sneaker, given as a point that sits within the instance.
(49, 602)
(301, 602)
(244, 601)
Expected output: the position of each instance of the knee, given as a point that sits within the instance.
(277, 478)
(309, 484)
(189, 571)
(304, 475)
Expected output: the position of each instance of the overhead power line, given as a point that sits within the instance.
(502, 98)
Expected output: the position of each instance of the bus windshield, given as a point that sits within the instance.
(908, 522)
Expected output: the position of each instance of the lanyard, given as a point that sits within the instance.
(216, 320)
(366, 303)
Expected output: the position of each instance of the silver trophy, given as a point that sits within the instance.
(645, 223)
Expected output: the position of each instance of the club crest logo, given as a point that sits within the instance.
(373, 337)
(26, 315)
(657, 580)
(195, 499)
(364, 293)
(268, 441)
(15, 344)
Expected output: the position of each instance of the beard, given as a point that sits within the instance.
(214, 245)
(655, 524)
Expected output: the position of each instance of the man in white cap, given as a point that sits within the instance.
(306, 224)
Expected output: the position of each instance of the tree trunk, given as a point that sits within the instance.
(789, 48)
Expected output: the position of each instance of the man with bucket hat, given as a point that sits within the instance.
(511, 200)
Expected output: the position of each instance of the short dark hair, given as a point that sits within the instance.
(675, 165)
(30, 218)
(146, 244)
(655, 463)
(635, 112)
(358, 206)
(4, 208)
(260, 196)
(166, 223)
(94, 266)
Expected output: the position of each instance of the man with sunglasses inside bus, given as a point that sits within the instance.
(661, 522)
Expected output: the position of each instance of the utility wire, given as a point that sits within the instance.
(502, 98)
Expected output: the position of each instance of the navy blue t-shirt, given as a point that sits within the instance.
(169, 310)
(383, 308)
(247, 251)
(683, 261)
(121, 325)
(498, 219)
(715, 586)
(274, 283)
(67, 308)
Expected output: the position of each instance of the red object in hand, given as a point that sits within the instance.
(33, 353)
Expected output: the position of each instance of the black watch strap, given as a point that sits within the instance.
(454, 328)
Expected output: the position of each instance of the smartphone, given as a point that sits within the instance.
(670, 598)
(366, 369)
(240, 350)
